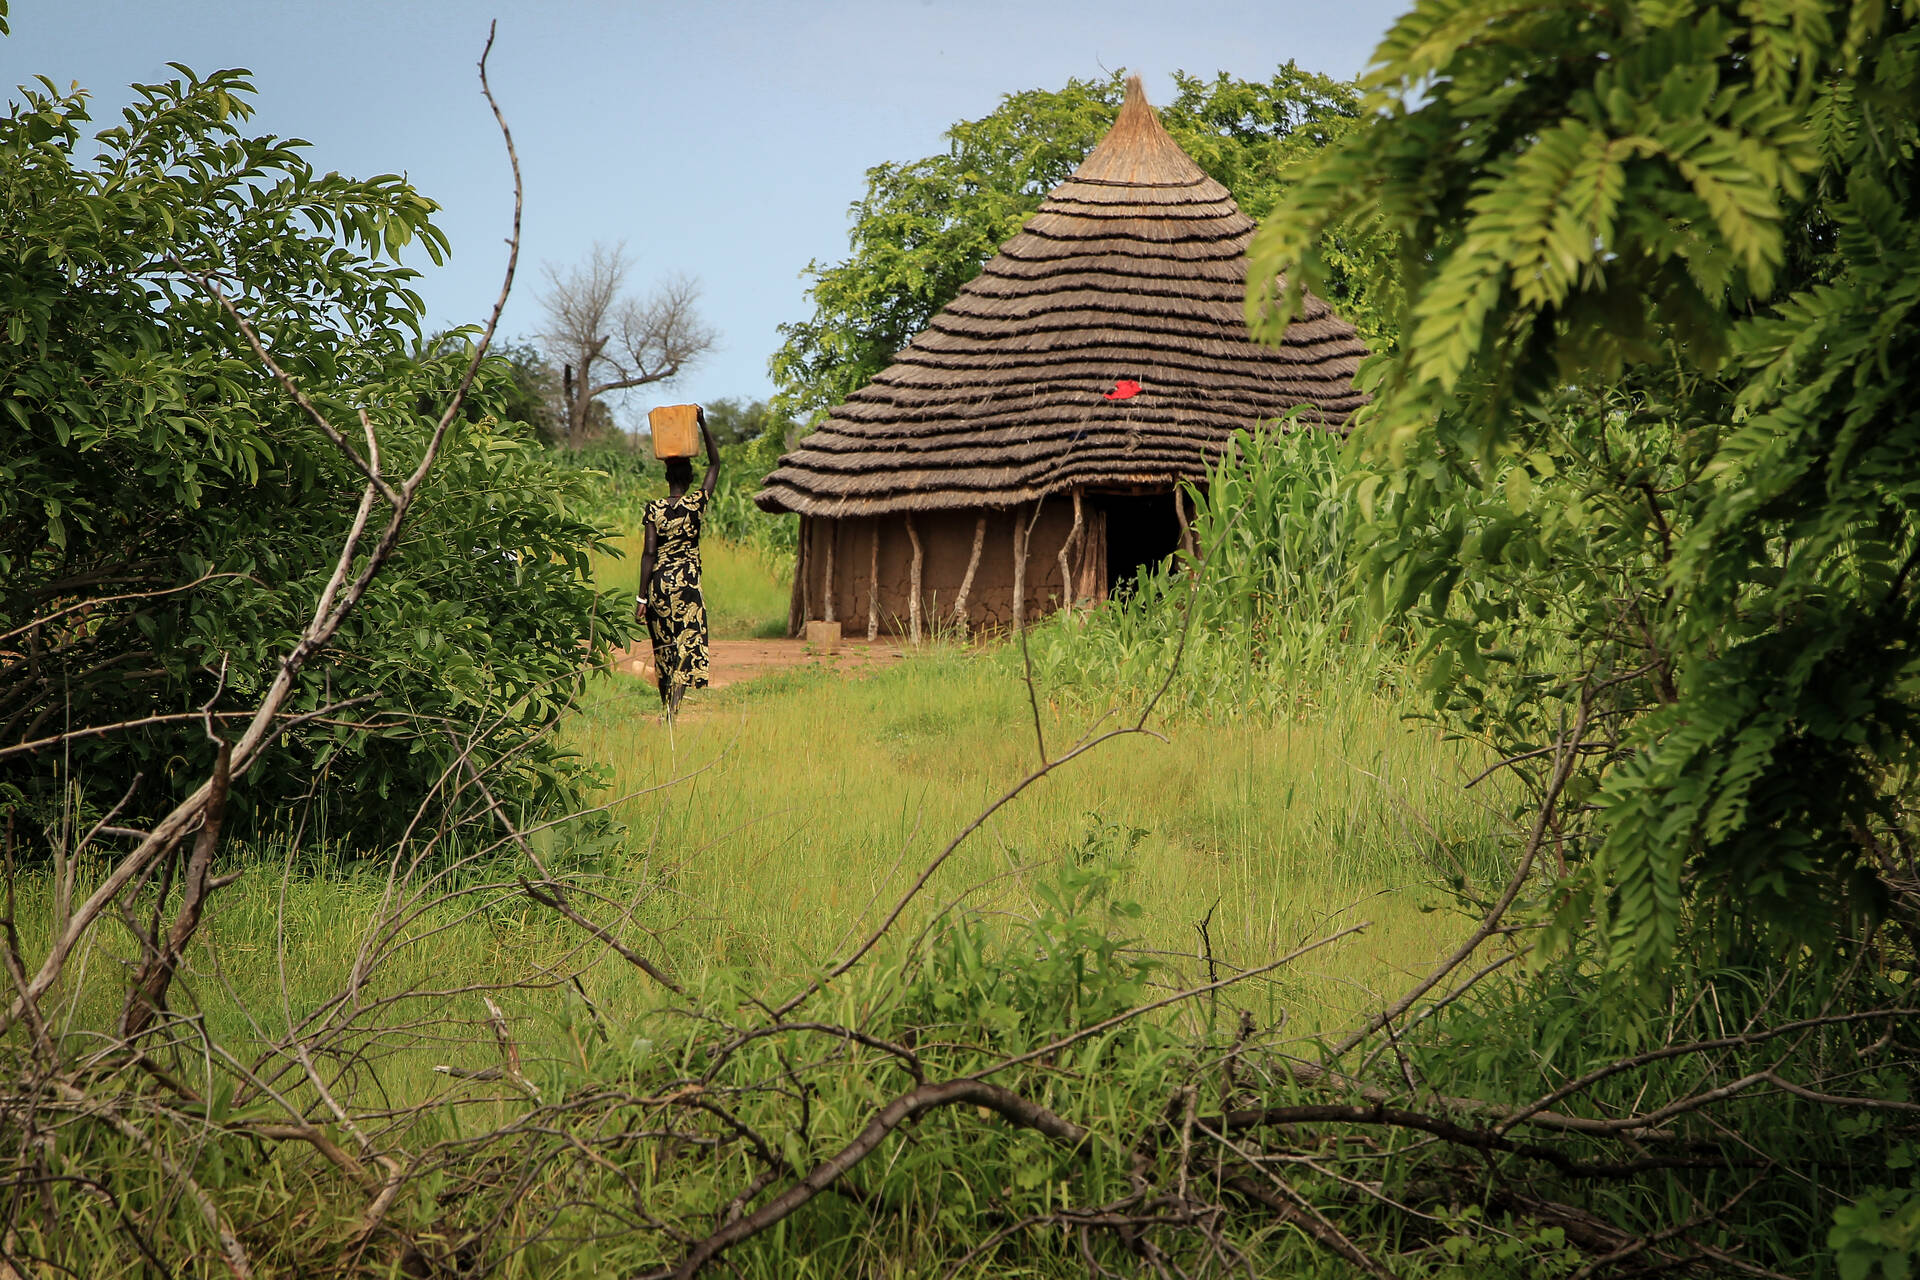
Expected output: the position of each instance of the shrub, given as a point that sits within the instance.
(168, 515)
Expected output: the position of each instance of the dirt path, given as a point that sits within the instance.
(737, 661)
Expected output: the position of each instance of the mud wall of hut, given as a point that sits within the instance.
(858, 569)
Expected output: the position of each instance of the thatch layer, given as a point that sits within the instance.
(1134, 268)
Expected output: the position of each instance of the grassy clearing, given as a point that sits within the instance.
(792, 810)
(783, 816)
(808, 802)
(762, 836)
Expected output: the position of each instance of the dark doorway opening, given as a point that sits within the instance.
(1142, 530)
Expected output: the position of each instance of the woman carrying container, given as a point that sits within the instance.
(670, 602)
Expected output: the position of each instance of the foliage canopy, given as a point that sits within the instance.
(1651, 427)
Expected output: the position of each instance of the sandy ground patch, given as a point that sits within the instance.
(737, 661)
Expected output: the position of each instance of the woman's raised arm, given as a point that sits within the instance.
(713, 458)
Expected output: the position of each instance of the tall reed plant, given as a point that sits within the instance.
(1268, 609)
(731, 516)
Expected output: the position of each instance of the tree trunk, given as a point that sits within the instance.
(1066, 549)
(797, 603)
(1186, 530)
(873, 584)
(832, 530)
(576, 419)
(913, 581)
(966, 583)
(578, 391)
(1020, 534)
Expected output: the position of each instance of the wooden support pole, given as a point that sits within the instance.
(800, 598)
(1067, 597)
(966, 583)
(1186, 530)
(832, 529)
(873, 583)
(1020, 535)
(913, 582)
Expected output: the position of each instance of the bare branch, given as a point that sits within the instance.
(608, 341)
(1006, 1103)
(550, 897)
(1568, 751)
(149, 992)
(96, 601)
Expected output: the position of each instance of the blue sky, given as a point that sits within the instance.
(719, 140)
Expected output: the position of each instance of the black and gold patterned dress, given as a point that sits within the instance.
(676, 611)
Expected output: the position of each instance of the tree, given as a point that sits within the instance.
(170, 512)
(734, 421)
(1643, 462)
(925, 228)
(531, 395)
(608, 342)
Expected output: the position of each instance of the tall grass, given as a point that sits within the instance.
(771, 826)
(1267, 611)
(764, 833)
(794, 811)
(809, 800)
(780, 817)
(769, 829)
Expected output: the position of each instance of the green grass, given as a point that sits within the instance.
(761, 837)
(807, 802)
(781, 818)
(792, 810)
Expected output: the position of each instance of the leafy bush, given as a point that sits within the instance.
(620, 482)
(1655, 382)
(168, 515)
(1879, 1232)
(617, 480)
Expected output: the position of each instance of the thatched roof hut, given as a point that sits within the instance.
(1100, 359)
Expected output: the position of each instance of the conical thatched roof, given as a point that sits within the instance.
(1134, 268)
